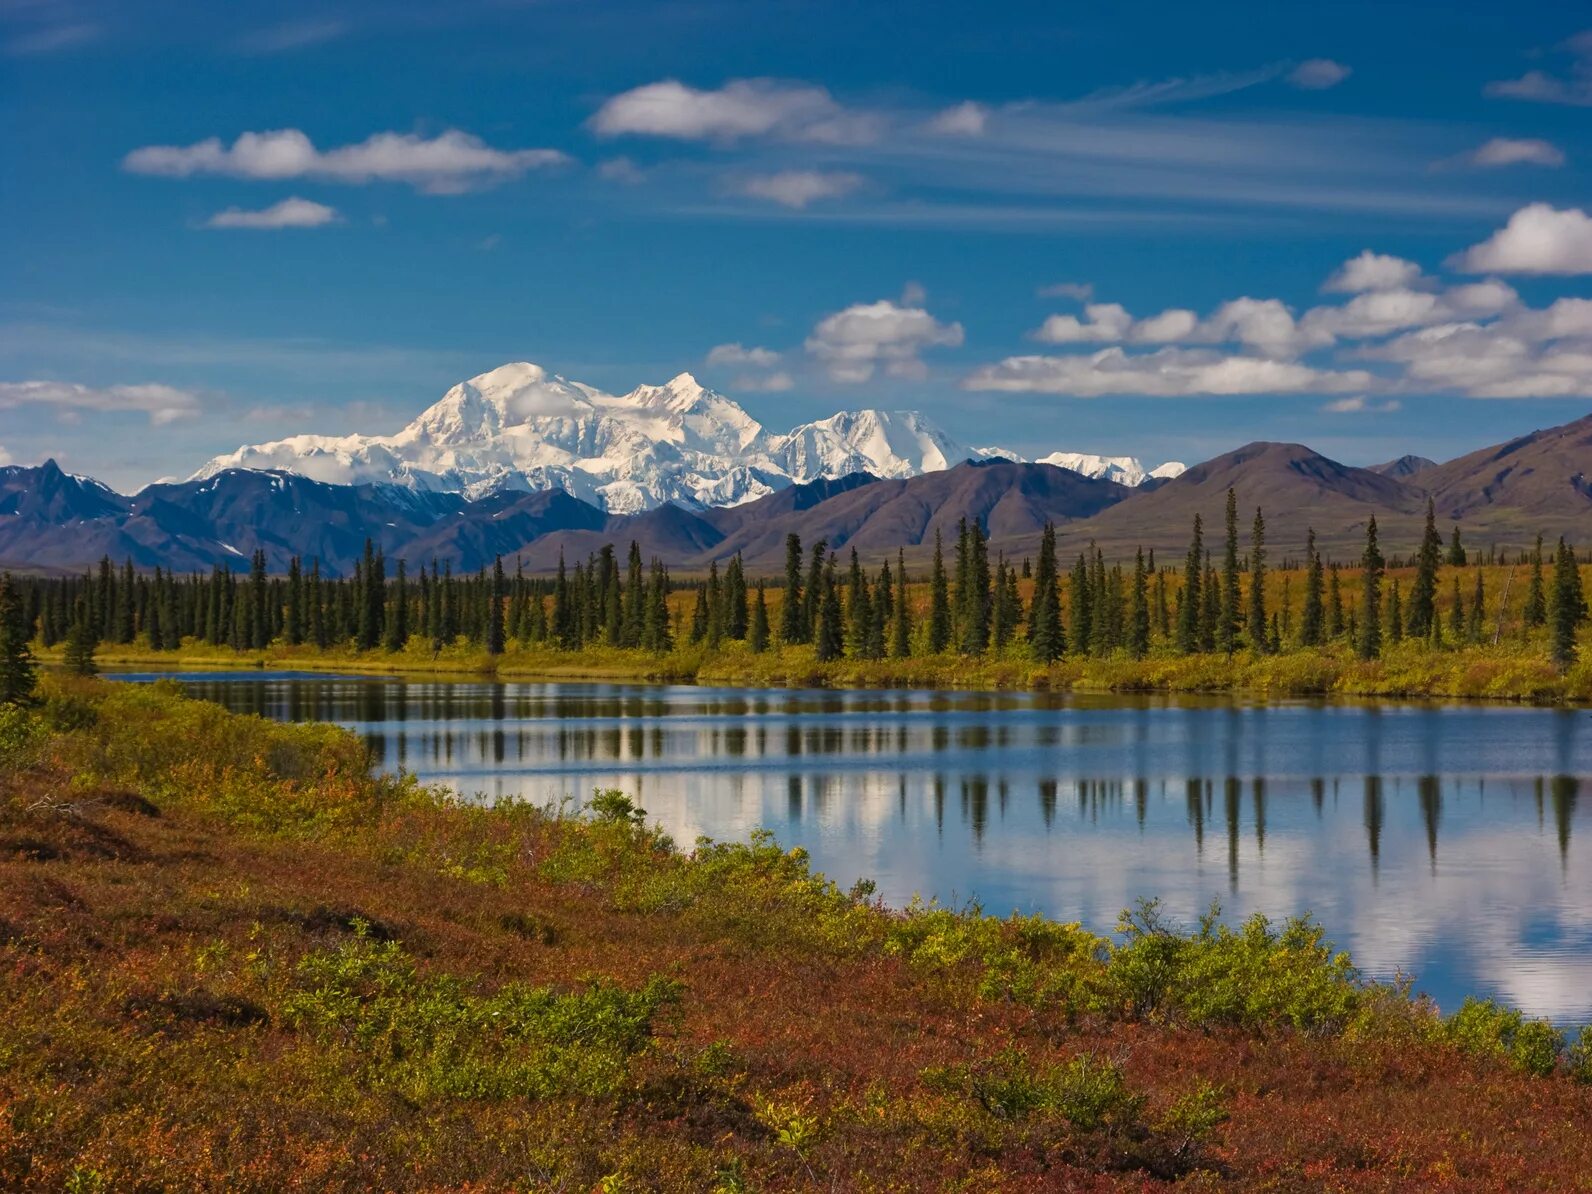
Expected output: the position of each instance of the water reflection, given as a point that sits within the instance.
(1435, 840)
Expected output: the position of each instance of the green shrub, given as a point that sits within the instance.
(1484, 1028)
(1090, 1093)
(1255, 977)
(1579, 1056)
(432, 1035)
(20, 733)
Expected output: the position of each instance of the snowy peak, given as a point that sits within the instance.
(1124, 470)
(521, 427)
(886, 443)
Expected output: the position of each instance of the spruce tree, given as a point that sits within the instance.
(1537, 595)
(939, 603)
(1566, 611)
(17, 672)
(494, 635)
(790, 609)
(1188, 621)
(1312, 624)
(1211, 614)
(1232, 613)
(813, 591)
(757, 626)
(859, 608)
(397, 628)
(635, 597)
(1423, 592)
(1456, 550)
(319, 634)
(901, 626)
(1335, 626)
(830, 634)
(1139, 610)
(1081, 598)
(81, 638)
(293, 630)
(1259, 639)
(1370, 644)
(699, 616)
(878, 618)
(1044, 613)
(1395, 613)
(714, 631)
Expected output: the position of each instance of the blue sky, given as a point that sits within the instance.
(1049, 227)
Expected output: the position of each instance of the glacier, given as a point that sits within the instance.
(519, 427)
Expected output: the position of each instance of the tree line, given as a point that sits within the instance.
(975, 607)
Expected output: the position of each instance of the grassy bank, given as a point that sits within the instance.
(1408, 670)
(232, 958)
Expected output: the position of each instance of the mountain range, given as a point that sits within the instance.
(521, 428)
(529, 467)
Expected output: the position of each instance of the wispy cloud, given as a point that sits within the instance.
(52, 38)
(1360, 404)
(293, 35)
(162, 404)
(289, 213)
(1574, 89)
(741, 109)
(1318, 74)
(448, 163)
(798, 188)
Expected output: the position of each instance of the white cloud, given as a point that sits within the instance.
(1373, 271)
(1538, 239)
(855, 342)
(289, 213)
(1081, 291)
(445, 164)
(1544, 88)
(621, 170)
(1102, 322)
(741, 108)
(5, 457)
(1375, 314)
(736, 354)
(1165, 373)
(966, 119)
(1489, 297)
(162, 404)
(769, 383)
(1318, 74)
(1360, 404)
(1509, 151)
(1491, 362)
(1266, 326)
(798, 188)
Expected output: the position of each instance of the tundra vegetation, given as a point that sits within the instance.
(232, 957)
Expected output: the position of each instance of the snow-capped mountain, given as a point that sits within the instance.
(1124, 470)
(519, 427)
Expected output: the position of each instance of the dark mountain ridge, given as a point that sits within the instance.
(52, 521)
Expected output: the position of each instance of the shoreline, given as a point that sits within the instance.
(1406, 672)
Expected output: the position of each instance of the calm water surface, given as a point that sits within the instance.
(1447, 842)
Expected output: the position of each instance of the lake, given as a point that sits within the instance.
(1449, 842)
